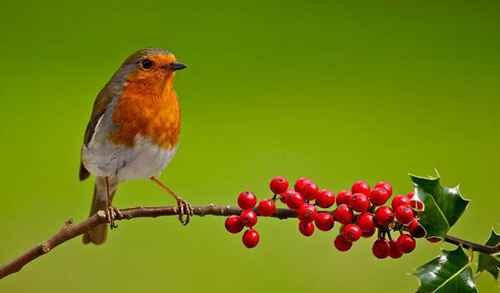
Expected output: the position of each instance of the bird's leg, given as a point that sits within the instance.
(111, 212)
(185, 208)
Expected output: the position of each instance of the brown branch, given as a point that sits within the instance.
(472, 245)
(70, 230)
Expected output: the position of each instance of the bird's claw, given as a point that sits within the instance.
(111, 214)
(185, 211)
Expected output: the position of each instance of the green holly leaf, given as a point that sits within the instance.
(449, 272)
(443, 206)
(490, 262)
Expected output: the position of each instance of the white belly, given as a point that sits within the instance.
(141, 161)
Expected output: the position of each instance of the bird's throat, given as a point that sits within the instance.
(149, 108)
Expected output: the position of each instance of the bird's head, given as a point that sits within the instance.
(150, 68)
(152, 63)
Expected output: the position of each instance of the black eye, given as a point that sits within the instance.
(147, 64)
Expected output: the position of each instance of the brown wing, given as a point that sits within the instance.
(101, 103)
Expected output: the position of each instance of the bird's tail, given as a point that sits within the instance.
(97, 235)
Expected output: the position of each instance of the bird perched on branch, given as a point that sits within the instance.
(133, 132)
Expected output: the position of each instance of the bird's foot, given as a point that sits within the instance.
(185, 211)
(111, 214)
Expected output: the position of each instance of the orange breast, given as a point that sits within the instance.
(149, 107)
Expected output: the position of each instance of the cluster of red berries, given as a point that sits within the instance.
(362, 211)
(248, 217)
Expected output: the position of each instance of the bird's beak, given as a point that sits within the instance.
(177, 66)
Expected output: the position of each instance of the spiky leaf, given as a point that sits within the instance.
(490, 263)
(443, 205)
(449, 272)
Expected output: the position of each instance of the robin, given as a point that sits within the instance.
(133, 132)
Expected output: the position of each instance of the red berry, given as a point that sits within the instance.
(416, 229)
(293, 199)
(325, 198)
(351, 232)
(366, 222)
(248, 218)
(368, 234)
(324, 221)
(360, 186)
(233, 224)
(306, 228)
(406, 243)
(306, 212)
(343, 214)
(344, 197)
(310, 191)
(250, 238)
(284, 196)
(266, 207)
(394, 251)
(300, 183)
(433, 239)
(278, 185)
(341, 244)
(360, 202)
(381, 248)
(400, 200)
(385, 185)
(410, 194)
(417, 204)
(404, 214)
(379, 196)
(247, 200)
(383, 216)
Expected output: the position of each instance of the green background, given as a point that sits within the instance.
(335, 91)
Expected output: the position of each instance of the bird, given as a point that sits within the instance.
(133, 132)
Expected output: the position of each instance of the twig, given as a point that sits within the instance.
(471, 245)
(70, 230)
